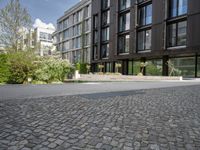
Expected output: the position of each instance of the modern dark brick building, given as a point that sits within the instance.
(129, 32)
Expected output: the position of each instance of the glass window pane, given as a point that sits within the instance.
(141, 40)
(182, 7)
(130, 67)
(154, 67)
(148, 14)
(124, 4)
(105, 50)
(127, 44)
(124, 44)
(142, 16)
(121, 44)
(105, 34)
(173, 8)
(198, 67)
(172, 35)
(148, 40)
(182, 33)
(124, 22)
(136, 67)
(182, 67)
(127, 21)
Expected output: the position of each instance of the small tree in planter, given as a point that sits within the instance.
(117, 66)
(101, 68)
(142, 65)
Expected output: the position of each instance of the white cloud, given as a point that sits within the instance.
(39, 23)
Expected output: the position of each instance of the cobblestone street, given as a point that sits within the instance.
(153, 119)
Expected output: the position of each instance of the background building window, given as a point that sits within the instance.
(124, 42)
(124, 4)
(145, 15)
(144, 40)
(178, 7)
(177, 34)
(124, 22)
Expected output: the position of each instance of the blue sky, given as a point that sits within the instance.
(46, 10)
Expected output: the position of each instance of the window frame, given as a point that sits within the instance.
(176, 34)
(144, 40)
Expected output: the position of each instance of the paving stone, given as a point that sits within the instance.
(157, 119)
(52, 145)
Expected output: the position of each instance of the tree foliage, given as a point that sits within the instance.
(13, 19)
(4, 68)
(21, 66)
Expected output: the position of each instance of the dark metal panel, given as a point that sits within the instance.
(193, 6)
(193, 31)
(158, 11)
(157, 37)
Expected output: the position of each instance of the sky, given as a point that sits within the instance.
(47, 11)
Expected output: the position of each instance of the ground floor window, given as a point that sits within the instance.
(184, 66)
(108, 67)
(133, 67)
(198, 66)
(154, 67)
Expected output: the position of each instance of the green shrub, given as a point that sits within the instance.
(51, 70)
(4, 68)
(83, 69)
(21, 66)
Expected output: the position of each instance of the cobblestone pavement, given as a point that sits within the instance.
(156, 119)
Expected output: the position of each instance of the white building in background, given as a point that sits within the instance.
(74, 33)
(44, 38)
(28, 39)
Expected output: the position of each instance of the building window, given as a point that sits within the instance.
(66, 23)
(87, 25)
(87, 11)
(105, 50)
(124, 22)
(105, 34)
(105, 4)
(178, 7)
(108, 67)
(133, 67)
(198, 66)
(144, 40)
(66, 46)
(66, 34)
(145, 15)
(154, 67)
(177, 34)
(124, 42)
(105, 18)
(182, 67)
(124, 4)
(47, 37)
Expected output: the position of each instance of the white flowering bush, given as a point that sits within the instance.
(51, 70)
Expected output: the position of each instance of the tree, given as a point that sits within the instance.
(13, 20)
